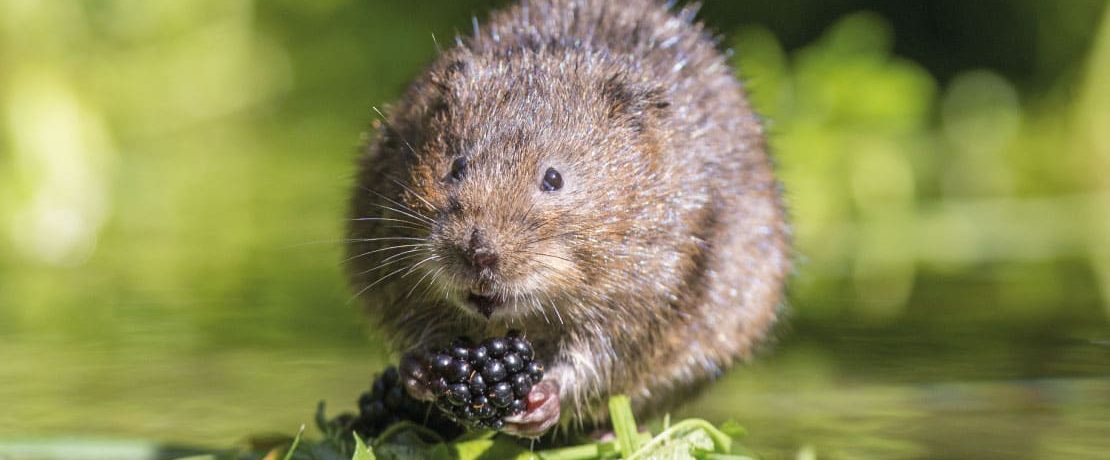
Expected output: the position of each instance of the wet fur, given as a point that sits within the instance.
(660, 263)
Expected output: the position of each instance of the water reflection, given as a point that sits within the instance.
(843, 393)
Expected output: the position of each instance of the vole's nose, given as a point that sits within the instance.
(481, 254)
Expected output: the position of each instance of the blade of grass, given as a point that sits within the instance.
(296, 442)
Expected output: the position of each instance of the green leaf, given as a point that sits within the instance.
(361, 451)
(499, 448)
(319, 451)
(441, 451)
(406, 441)
(473, 435)
(420, 432)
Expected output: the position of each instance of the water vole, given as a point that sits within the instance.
(589, 172)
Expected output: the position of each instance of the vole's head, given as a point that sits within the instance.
(524, 177)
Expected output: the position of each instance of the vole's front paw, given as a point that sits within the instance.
(414, 376)
(542, 412)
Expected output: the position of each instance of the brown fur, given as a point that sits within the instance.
(658, 265)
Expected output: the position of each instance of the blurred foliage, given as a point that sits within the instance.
(173, 181)
(892, 176)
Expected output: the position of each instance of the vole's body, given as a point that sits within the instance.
(658, 264)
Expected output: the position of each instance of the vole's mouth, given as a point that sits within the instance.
(485, 303)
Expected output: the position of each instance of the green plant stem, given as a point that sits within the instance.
(582, 452)
(624, 424)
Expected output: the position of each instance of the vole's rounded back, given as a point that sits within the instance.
(588, 171)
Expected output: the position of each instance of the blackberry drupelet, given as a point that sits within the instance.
(387, 403)
(480, 384)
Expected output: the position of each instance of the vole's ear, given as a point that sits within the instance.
(632, 102)
(441, 80)
(442, 74)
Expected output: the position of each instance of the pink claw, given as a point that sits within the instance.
(542, 412)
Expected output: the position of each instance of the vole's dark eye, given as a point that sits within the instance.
(458, 169)
(552, 180)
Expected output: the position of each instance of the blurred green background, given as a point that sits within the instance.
(173, 178)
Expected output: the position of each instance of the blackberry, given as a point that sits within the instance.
(387, 403)
(480, 384)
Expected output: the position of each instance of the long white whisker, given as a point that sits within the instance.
(554, 308)
(386, 249)
(389, 219)
(335, 241)
(414, 286)
(547, 255)
(434, 280)
(386, 121)
(454, 281)
(418, 264)
(384, 238)
(543, 312)
(407, 251)
(375, 283)
(384, 264)
(413, 192)
(413, 214)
